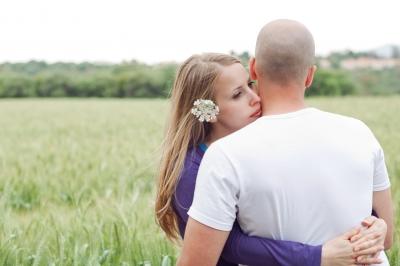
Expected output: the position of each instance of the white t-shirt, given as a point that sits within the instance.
(305, 176)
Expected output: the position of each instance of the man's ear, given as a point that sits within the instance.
(252, 68)
(310, 76)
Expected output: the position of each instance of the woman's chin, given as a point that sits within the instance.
(253, 118)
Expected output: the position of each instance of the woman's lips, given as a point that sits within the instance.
(256, 114)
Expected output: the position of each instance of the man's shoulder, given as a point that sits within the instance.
(330, 117)
(236, 143)
(237, 138)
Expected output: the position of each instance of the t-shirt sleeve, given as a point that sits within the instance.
(216, 193)
(381, 177)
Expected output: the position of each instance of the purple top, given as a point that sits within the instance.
(239, 247)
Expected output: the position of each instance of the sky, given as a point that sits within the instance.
(154, 31)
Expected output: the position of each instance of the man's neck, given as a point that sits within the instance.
(276, 107)
(277, 100)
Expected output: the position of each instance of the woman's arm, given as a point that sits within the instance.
(252, 250)
(243, 249)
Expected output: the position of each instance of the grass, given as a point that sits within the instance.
(77, 177)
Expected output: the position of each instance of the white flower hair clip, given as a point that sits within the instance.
(205, 110)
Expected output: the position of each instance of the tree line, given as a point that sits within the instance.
(135, 79)
(128, 79)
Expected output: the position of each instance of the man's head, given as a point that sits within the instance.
(284, 54)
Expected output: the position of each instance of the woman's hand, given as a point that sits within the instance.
(358, 246)
(339, 251)
(369, 242)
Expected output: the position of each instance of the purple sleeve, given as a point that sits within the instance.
(252, 250)
(241, 248)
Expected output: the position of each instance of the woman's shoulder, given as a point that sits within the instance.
(194, 156)
(187, 181)
(191, 164)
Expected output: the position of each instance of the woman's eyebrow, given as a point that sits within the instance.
(238, 88)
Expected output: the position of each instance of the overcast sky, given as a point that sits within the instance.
(154, 31)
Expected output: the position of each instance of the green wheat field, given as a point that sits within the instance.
(77, 177)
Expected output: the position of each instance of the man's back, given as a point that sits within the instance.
(305, 176)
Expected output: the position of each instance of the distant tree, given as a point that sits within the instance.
(244, 57)
(331, 83)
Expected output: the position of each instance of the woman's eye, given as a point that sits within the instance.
(251, 84)
(237, 94)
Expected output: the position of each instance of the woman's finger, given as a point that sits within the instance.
(362, 232)
(356, 237)
(368, 260)
(367, 245)
(372, 236)
(369, 251)
(369, 221)
(378, 226)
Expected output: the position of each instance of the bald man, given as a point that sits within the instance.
(297, 173)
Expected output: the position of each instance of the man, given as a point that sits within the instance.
(296, 173)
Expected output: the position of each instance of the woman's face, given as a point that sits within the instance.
(238, 101)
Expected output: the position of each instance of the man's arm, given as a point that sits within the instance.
(382, 198)
(383, 206)
(202, 244)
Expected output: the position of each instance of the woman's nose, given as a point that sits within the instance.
(255, 99)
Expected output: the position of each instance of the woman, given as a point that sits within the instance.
(195, 123)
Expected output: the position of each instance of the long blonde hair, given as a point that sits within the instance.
(195, 79)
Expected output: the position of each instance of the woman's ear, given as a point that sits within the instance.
(252, 68)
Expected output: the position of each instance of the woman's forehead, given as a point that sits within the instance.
(231, 78)
(234, 74)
